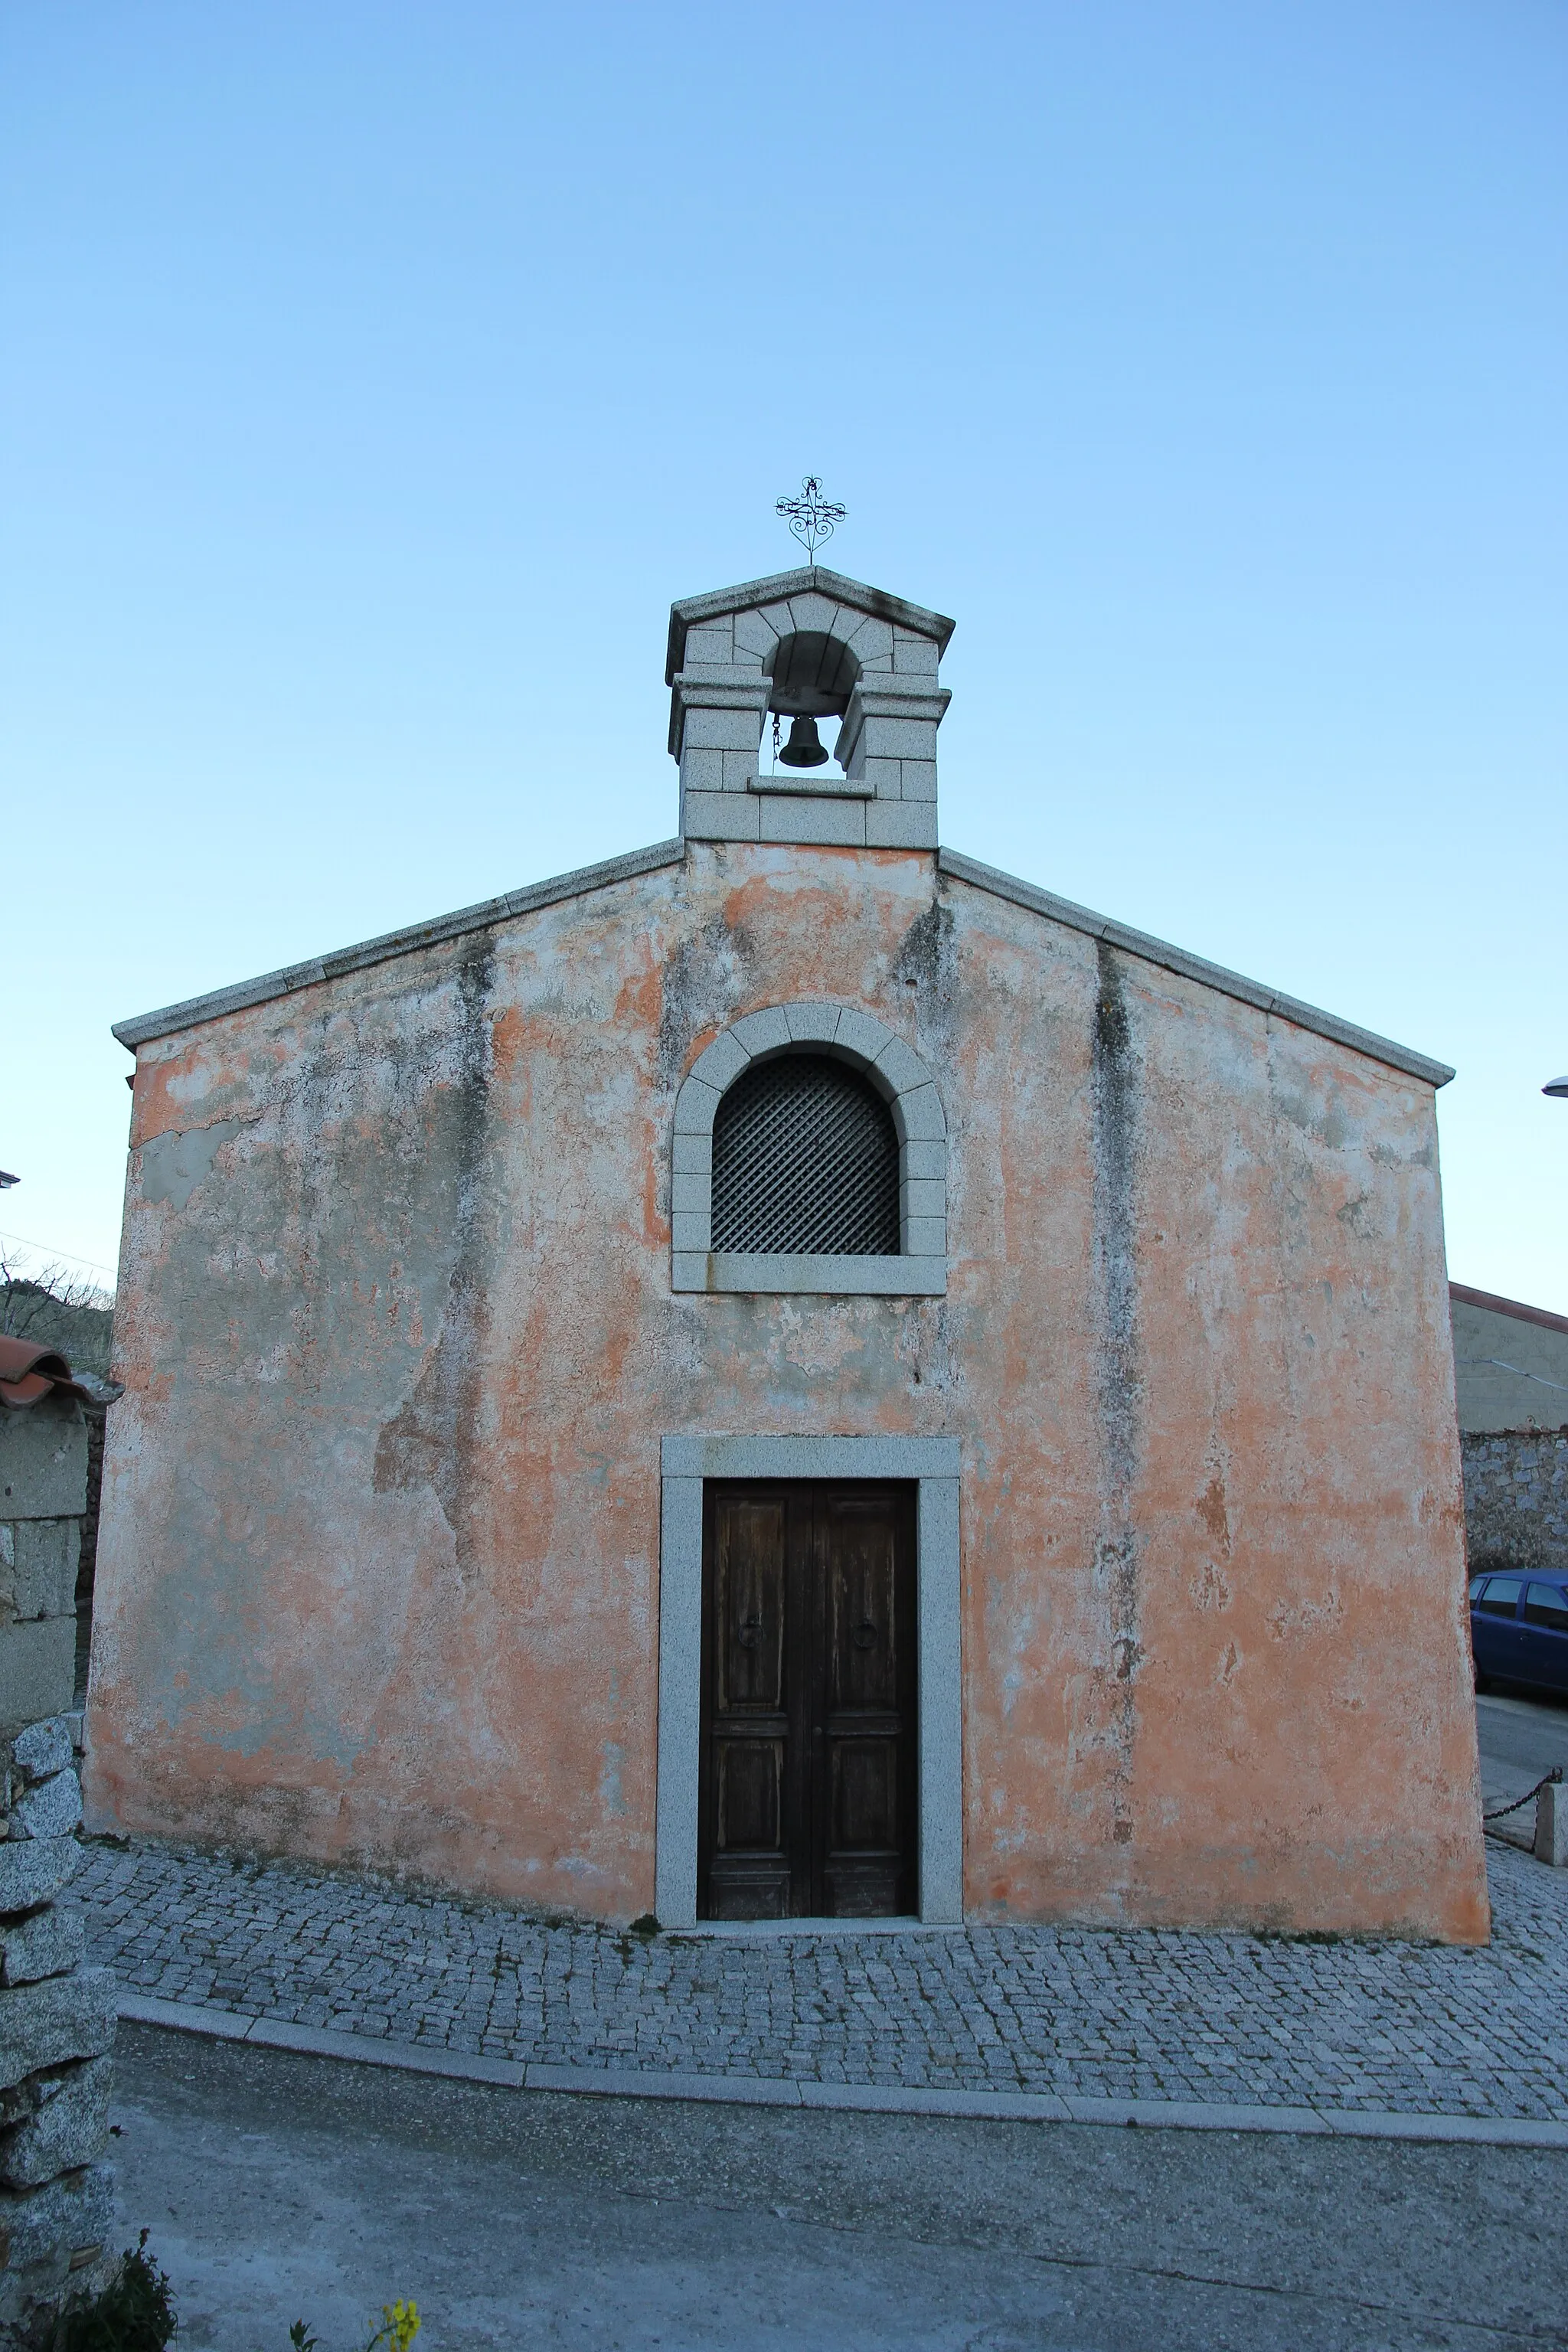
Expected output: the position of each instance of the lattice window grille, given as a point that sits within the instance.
(806, 1161)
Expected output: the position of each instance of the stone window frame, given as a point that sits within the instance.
(933, 1464)
(908, 1088)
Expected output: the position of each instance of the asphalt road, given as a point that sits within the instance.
(277, 2187)
(1519, 1734)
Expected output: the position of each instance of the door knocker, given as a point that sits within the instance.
(866, 1635)
(751, 1634)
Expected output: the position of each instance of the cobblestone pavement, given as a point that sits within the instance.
(1083, 2012)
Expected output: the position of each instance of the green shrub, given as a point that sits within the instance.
(134, 2314)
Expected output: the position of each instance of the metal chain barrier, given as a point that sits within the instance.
(1550, 1777)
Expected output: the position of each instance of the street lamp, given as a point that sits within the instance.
(1558, 1087)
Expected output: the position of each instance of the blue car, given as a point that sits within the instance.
(1518, 1630)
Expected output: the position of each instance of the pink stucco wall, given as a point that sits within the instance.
(378, 1575)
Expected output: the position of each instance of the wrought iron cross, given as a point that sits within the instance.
(811, 517)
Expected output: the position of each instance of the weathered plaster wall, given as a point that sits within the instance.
(1511, 1370)
(379, 1564)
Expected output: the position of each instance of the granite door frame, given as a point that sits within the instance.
(932, 1465)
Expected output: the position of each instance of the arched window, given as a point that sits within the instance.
(806, 1161)
(809, 1154)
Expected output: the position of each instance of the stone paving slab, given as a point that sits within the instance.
(1340, 2027)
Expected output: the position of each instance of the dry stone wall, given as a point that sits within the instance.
(1516, 1497)
(57, 2017)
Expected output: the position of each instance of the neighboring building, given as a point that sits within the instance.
(1511, 1373)
(792, 1372)
(74, 1322)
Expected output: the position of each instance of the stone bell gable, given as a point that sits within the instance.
(813, 645)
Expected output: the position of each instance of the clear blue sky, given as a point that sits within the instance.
(372, 377)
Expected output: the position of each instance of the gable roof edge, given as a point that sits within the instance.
(1192, 967)
(1494, 1304)
(194, 1010)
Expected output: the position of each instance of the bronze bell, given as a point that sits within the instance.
(803, 749)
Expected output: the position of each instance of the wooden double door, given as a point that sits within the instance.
(807, 1801)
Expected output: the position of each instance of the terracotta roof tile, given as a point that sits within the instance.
(28, 1371)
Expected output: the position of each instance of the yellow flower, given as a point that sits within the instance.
(402, 2324)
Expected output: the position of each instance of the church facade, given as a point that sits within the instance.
(791, 1374)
